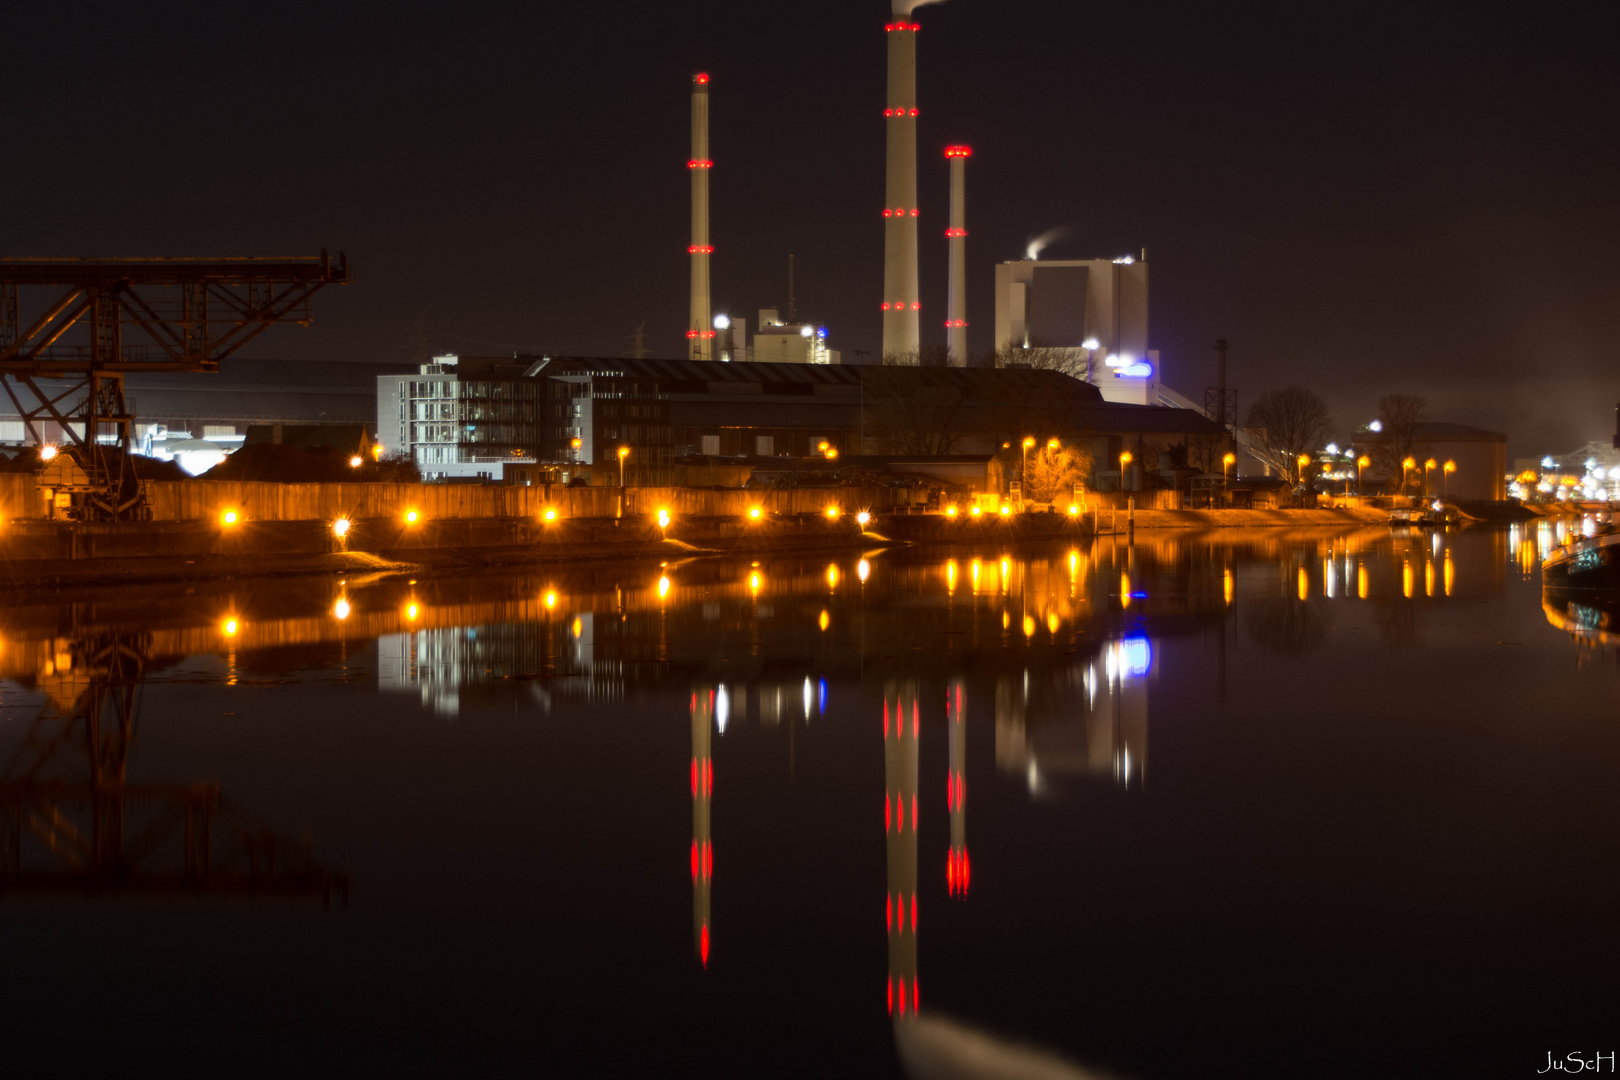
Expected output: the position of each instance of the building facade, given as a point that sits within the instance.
(1096, 307)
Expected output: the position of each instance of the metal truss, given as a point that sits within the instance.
(104, 318)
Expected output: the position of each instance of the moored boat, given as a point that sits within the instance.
(1589, 562)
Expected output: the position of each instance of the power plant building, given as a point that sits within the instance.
(1093, 306)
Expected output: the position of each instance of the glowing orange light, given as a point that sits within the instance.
(663, 586)
(863, 518)
(229, 628)
(411, 517)
(340, 610)
(824, 620)
(340, 527)
(551, 599)
(663, 519)
(411, 612)
(754, 512)
(47, 452)
(356, 461)
(550, 514)
(229, 517)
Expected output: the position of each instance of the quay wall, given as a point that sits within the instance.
(22, 499)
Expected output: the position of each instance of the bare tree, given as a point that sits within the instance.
(1399, 418)
(930, 356)
(914, 410)
(1054, 472)
(1284, 424)
(1039, 356)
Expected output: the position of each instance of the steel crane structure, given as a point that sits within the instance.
(104, 318)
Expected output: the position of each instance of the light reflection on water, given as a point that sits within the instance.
(1013, 691)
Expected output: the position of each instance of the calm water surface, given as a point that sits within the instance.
(1294, 804)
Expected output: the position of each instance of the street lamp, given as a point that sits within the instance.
(1407, 465)
(1361, 463)
(574, 445)
(1227, 461)
(1302, 461)
(1124, 461)
(1427, 465)
(624, 452)
(1445, 476)
(1023, 470)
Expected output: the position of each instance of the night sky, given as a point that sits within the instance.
(1362, 198)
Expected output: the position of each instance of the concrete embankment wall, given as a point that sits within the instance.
(21, 498)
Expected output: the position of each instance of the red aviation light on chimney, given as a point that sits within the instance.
(696, 164)
(890, 28)
(701, 78)
(700, 249)
(955, 232)
(959, 151)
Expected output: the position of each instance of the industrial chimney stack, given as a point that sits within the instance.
(700, 329)
(956, 315)
(900, 300)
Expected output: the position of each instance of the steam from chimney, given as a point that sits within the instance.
(1038, 244)
(906, 7)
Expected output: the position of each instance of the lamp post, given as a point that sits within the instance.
(1023, 469)
(624, 452)
(1361, 463)
(1124, 462)
(1227, 461)
(1407, 465)
(1445, 477)
(574, 445)
(1427, 465)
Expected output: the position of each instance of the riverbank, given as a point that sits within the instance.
(38, 556)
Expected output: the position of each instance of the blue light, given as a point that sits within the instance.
(821, 697)
(1137, 654)
(1139, 370)
(821, 332)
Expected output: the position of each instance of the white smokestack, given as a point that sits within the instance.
(700, 328)
(956, 315)
(901, 304)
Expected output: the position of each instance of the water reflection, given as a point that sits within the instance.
(72, 819)
(1042, 669)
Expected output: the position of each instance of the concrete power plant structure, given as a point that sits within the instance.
(901, 303)
(1096, 307)
(700, 328)
(956, 314)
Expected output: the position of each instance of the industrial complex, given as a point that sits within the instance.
(1072, 363)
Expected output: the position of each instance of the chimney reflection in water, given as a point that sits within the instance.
(901, 728)
(702, 782)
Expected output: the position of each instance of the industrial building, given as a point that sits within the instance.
(1097, 307)
(196, 419)
(470, 417)
(1479, 457)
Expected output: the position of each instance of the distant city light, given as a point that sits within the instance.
(1091, 344)
(1376, 425)
(722, 322)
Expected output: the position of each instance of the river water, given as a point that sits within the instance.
(1302, 803)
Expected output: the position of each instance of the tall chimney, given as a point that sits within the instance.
(900, 300)
(956, 315)
(700, 329)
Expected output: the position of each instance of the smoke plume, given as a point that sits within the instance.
(1038, 244)
(906, 7)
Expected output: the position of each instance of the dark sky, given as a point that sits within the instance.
(1362, 198)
